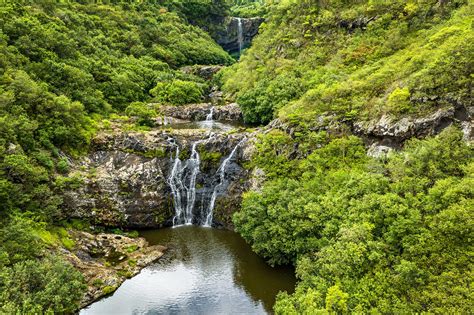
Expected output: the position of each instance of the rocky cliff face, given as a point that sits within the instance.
(126, 176)
(196, 112)
(390, 133)
(229, 39)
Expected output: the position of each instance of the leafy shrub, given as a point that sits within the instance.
(144, 113)
(47, 286)
(177, 92)
(62, 166)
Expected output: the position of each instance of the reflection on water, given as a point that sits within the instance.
(205, 124)
(205, 271)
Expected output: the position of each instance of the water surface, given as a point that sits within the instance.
(205, 271)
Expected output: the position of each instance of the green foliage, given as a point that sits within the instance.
(132, 248)
(63, 67)
(46, 286)
(177, 92)
(367, 237)
(207, 14)
(355, 60)
(144, 113)
(108, 289)
(62, 166)
(30, 281)
(249, 8)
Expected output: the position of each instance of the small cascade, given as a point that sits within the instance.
(221, 171)
(211, 113)
(193, 165)
(240, 35)
(176, 185)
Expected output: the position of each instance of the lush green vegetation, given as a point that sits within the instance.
(64, 66)
(366, 235)
(356, 59)
(249, 8)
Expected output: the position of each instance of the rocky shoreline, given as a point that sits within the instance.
(107, 260)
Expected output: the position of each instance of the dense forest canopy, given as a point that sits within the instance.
(367, 235)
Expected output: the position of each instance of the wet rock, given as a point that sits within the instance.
(126, 176)
(198, 112)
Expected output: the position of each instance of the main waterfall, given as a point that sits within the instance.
(182, 181)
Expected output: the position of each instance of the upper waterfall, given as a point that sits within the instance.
(240, 35)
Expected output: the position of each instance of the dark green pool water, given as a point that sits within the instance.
(205, 271)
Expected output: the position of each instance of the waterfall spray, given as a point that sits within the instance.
(175, 183)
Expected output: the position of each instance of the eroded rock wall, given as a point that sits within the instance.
(125, 177)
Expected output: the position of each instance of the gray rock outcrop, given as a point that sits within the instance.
(229, 39)
(193, 112)
(125, 177)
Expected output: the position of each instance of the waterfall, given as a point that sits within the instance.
(182, 181)
(176, 185)
(193, 165)
(221, 171)
(240, 35)
(209, 116)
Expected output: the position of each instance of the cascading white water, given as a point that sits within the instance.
(211, 113)
(221, 171)
(182, 181)
(192, 164)
(176, 185)
(240, 35)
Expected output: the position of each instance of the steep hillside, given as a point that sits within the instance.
(356, 60)
(385, 234)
